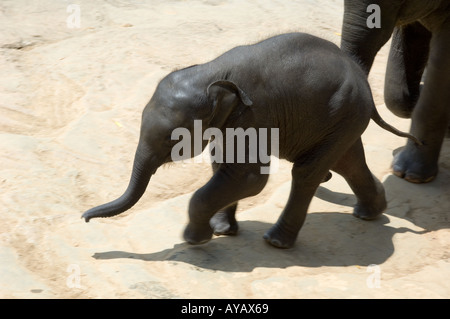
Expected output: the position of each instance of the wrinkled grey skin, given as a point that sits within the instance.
(421, 38)
(305, 86)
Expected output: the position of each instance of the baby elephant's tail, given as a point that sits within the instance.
(377, 119)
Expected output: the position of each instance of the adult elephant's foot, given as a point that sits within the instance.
(197, 234)
(415, 165)
(224, 224)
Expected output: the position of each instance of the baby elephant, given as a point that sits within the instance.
(317, 99)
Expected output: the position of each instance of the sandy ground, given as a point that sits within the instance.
(71, 97)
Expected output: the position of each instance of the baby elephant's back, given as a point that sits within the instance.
(304, 71)
(308, 87)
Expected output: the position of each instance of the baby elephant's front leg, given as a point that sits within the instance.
(224, 221)
(201, 209)
(229, 184)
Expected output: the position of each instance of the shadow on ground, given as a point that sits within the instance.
(327, 238)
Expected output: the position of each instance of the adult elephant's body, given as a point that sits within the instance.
(421, 39)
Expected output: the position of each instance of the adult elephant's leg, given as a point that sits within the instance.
(230, 183)
(430, 118)
(407, 59)
(369, 191)
(224, 221)
(361, 41)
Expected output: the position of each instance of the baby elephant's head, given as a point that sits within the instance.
(182, 106)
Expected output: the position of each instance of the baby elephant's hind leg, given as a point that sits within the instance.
(308, 172)
(368, 189)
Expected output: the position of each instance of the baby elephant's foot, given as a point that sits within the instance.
(368, 213)
(279, 237)
(371, 204)
(223, 224)
(414, 165)
(196, 234)
(374, 208)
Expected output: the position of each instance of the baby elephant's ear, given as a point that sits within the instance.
(225, 95)
(222, 87)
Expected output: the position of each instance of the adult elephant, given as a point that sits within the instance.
(420, 32)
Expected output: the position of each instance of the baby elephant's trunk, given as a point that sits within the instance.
(143, 168)
(377, 119)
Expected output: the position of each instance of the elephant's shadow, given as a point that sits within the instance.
(424, 205)
(326, 239)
